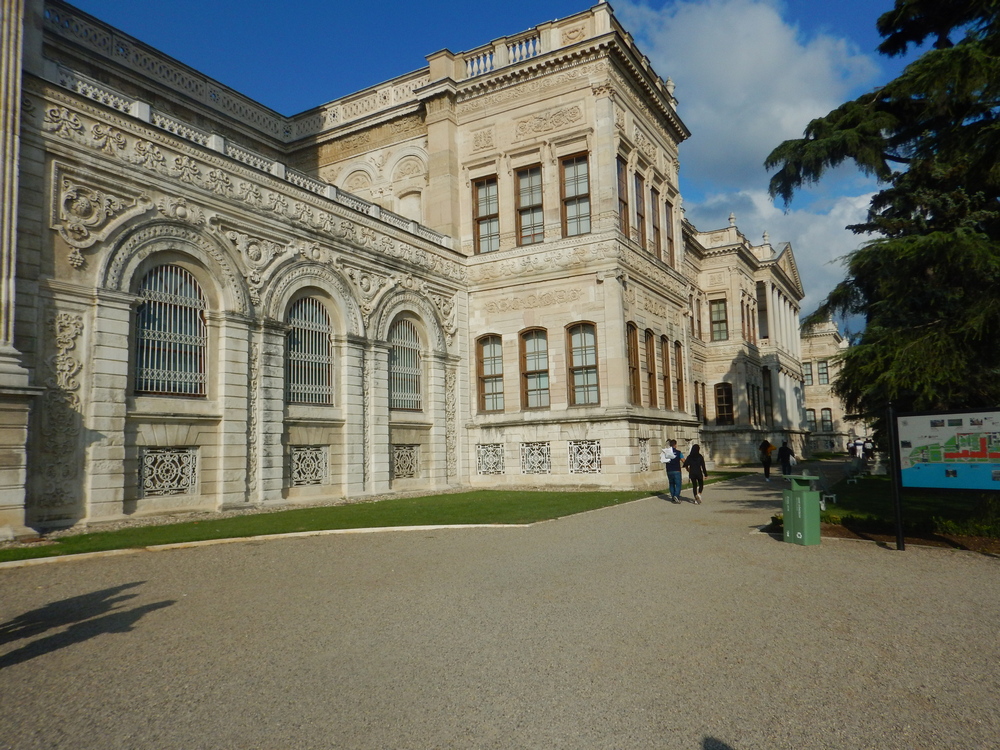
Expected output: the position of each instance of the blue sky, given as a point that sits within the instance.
(749, 74)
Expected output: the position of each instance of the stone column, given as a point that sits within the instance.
(356, 365)
(106, 412)
(774, 315)
(377, 405)
(238, 437)
(266, 414)
(15, 392)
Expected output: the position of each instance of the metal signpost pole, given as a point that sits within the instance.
(896, 468)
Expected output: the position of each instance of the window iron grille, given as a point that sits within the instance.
(171, 336)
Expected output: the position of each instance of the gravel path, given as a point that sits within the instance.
(648, 625)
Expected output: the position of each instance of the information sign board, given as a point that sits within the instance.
(950, 450)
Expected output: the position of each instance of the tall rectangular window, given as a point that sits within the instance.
(822, 372)
(489, 367)
(807, 372)
(486, 219)
(534, 369)
(667, 383)
(623, 196)
(811, 420)
(583, 364)
(724, 404)
(632, 344)
(654, 216)
(575, 196)
(826, 417)
(720, 322)
(650, 343)
(668, 231)
(679, 374)
(765, 374)
(530, 224)
(640, 209)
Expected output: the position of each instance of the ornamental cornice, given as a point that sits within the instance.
(159, 155)
(666, 109)
(652, 119)
(547, 74)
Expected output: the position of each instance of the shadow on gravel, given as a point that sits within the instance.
(710, 743)
(87, 616)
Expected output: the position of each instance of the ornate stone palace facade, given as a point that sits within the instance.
(474, 275)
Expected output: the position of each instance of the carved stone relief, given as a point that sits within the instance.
(483, 139)
(645, 146)
(548, 121)
(62, 422)
(192, 169)
(257, 254)
(253, 419)
(573, 34)
(542, 299)
(451, 422)
(85, 211)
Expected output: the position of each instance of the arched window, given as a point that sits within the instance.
(583, 365)
(309, 364)
(170, 334)
(489, 366)
(404, 366)
(811, 420)
(534, 369)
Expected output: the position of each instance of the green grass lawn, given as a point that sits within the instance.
(869, 504)
(486, 506)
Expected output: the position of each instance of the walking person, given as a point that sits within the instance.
(785, 458)
(673, 466)
(766, 449)
(695, 465)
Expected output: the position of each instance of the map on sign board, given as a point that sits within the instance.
(959, 451)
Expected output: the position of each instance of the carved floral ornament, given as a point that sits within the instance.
(548, 121)
(188, 169)
(86, 214)
(61, 421)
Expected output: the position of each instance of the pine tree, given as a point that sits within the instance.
(928, 284)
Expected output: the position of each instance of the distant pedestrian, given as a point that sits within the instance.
(766, 449)
(785, 457)
(869, 449)
(695, 465)
(673, 467)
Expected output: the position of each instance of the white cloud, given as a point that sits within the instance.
(746, 81)
(818, 237)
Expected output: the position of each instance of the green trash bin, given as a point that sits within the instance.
(800, 506)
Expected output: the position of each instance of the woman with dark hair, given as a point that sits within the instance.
(766, 449)
(695, 465)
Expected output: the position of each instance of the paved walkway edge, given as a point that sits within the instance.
(258, 538)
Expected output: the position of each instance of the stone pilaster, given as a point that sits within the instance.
(15, 393)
